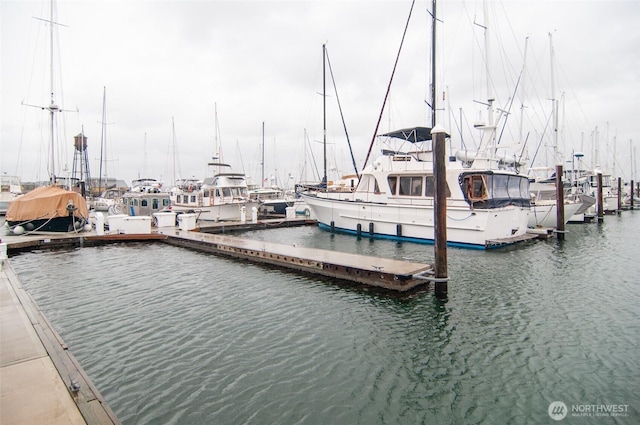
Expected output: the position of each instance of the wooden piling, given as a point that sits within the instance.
(619, 195)
(600, 201)
(440, 211)
(559, 203)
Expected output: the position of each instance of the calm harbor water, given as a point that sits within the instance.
(171, 336)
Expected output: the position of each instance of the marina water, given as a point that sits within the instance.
(172, 336)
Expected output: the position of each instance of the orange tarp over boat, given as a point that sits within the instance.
(46, 202)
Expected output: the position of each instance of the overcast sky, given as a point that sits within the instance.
(171, 64)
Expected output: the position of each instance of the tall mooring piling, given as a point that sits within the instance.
(440, 211)
(559, 203)
(600, 200)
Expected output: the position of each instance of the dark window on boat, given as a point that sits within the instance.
(410, 186)
(165, 202)
(135, 202)
(226, 191)
(475, 187)
(144, 202)
(218, 193)
(393, 182)
(155, 204)
(193, 198)
(376, 188)
(430, 187)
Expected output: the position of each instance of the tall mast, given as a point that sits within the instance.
(262, 161)
(554, 101)
(490, 97)
(52, 106)
(522, 92)
(174, 149)
(324, 111)
(103, 137)
(433, 64)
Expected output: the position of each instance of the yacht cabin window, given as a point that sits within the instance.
(412, 186)
(430, 187)
(393, 182)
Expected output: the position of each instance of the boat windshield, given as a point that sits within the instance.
(489, 190)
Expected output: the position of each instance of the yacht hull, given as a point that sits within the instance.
(465, 227)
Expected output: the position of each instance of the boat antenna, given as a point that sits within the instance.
(386, 96)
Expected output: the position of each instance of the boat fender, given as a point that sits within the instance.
(18, 230)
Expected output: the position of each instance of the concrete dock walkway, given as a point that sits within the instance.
(40, 380)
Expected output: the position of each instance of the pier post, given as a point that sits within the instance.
(440, 210)
(619, 209)
(600, 201)
(631, 193)
(559, 203)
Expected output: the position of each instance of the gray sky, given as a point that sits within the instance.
(261, 61)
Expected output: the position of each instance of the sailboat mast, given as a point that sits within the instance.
(522, 92)
(554, 108)
(262, 161)
(490, 96)
(103, 137)
(52, 107)
(173, 143)
(433, 65)
(324, 111)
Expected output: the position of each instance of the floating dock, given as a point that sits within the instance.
(384, 273)
(41, 382)
(380, 272)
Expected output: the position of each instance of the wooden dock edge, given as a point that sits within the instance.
(391, 281)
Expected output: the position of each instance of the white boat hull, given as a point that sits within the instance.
(465, 227)
(222, 212)
(545, 214)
